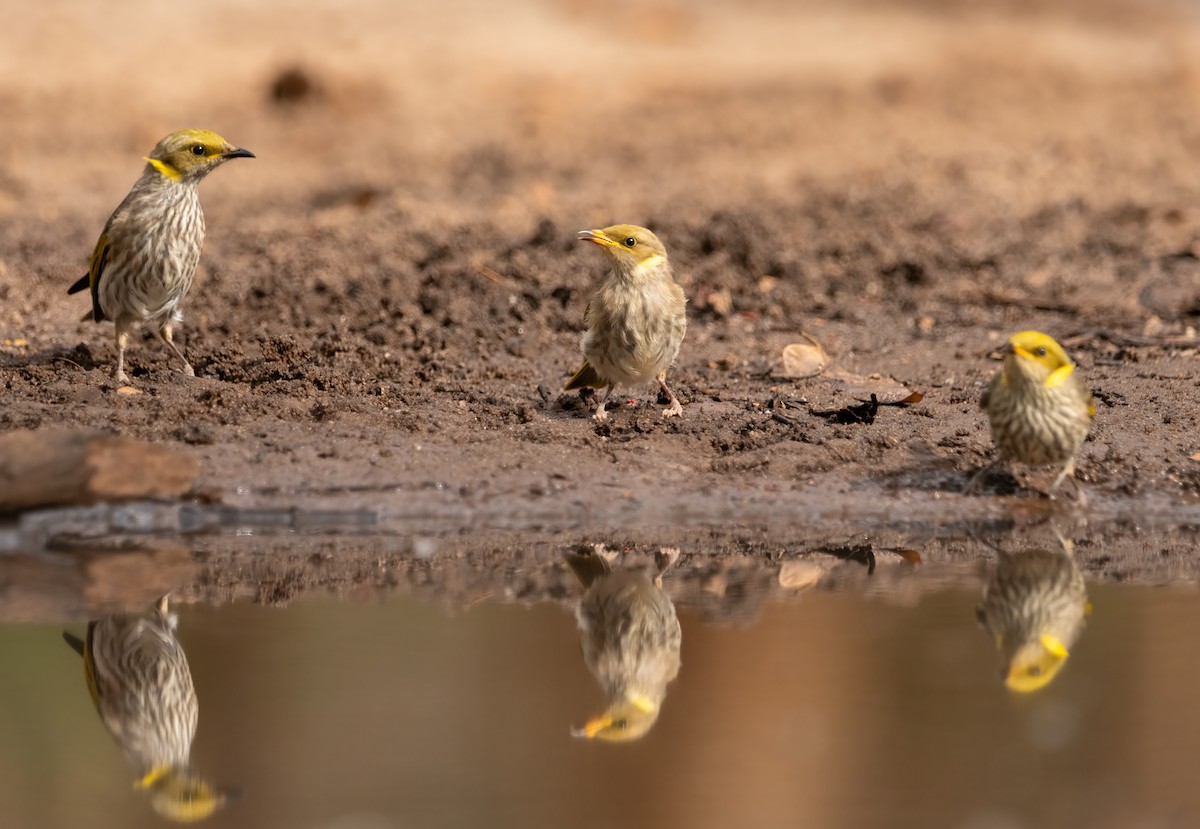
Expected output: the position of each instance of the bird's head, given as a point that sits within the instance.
(180, 796)
(630, 247)
(625, 720)
(1036, 356)
(1035, 664)
(190, 155)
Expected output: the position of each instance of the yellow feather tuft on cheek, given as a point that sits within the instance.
(165, 168)
(1058, 376)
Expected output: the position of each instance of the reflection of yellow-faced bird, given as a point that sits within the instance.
(140, 682)
(1034, 607)
(635, 321)
(630, 638)
(1039, 409)
(146, 256)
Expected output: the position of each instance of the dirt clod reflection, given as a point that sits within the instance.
(1034, 607)
(140, 681)
(630, 638)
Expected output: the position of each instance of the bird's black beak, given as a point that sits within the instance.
(238, 152)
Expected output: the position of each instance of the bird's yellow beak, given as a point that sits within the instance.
(596, 237)
(593, 727)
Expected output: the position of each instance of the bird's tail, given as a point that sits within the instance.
(83, 283)
(74, 641)
(586, 377)
(587, 567)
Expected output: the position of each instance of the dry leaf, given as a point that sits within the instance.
(799, 574)
(804, 359)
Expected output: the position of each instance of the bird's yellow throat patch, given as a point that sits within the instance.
(164, 168)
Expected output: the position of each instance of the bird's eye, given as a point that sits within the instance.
(621, 723)
(1041, 351)
(630, 241)
(198, 149)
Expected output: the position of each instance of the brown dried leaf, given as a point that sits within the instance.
(800, 574)
(911, 556)
(804, 359)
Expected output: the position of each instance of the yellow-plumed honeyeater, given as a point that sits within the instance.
(630, 638)
(635, 321)
(1034, 607)
(140, 682)
(145, 259)
(1039, 409)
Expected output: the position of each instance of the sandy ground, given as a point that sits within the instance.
(391, 294)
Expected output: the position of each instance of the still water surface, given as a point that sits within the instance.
(834, 709)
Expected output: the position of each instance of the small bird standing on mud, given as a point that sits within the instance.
(1034, 607)
(630, 638)
(142, 687)
(635, 321)
(146, 256)
(1039, 409)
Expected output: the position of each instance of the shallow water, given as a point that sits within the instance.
(852, 707)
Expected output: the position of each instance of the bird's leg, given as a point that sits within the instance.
(122, 343)
(663, 559)
(1068, 471)
(676, 408)
(167, 335)
(600, 416)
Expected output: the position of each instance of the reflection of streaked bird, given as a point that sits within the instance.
(1034, 607)
(140, 682)
(630, 638)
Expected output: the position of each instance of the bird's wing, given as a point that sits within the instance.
(95, 271)
(91, 279)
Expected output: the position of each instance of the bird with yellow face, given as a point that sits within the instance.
(630, 638)
(635, 321)
(1039, 409)
(145, 259)
(140, 683)
(1034, 606)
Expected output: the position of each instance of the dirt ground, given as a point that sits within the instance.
(391, 294)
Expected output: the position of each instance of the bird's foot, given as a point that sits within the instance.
(188, 370)
(674, 410)
(600, 416)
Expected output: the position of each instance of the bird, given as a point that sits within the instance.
(1039, 409)
(630, 638)
(636, 320)
(145, 259)
(1034, 606)
(140, 682)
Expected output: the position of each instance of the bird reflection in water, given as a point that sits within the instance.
(140, 682)
(1034, 607)
(630, 638)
